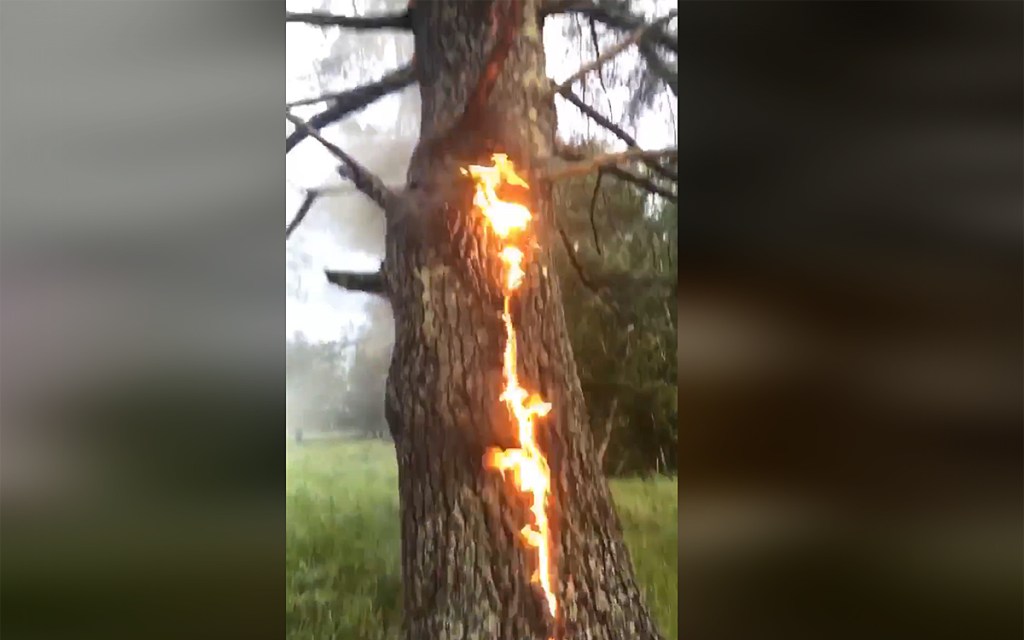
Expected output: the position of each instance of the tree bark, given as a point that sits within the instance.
(466, 572)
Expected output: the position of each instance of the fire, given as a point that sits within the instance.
(529, 467)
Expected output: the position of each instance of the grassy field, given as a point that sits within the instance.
(344, 571)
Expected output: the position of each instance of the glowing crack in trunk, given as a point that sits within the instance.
(527, 463)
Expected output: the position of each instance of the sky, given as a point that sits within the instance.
(345, 231)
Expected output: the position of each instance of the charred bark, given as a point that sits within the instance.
(466, 573)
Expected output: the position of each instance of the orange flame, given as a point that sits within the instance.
(529, 467)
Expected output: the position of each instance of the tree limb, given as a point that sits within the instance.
(593, 203)
(365, 181)
(614, 51)
(614, 17)
(329, 190)
(323, 19)
(570, 251)
(647, 185)
(619, 132)
(617, 16)
(610, 279)
(596, 116)
(597, 51)
(347, 189)
(311, 195)
(619, 172)
(366, 282)
(352, 100)
(561, 171)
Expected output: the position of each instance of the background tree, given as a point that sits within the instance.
(368, 373)
(480, 70)
(338, 386)
(316, 374)
(618, 272)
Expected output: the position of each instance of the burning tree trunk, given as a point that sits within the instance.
(469, 571)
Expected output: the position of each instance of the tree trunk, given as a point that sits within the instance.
(465, 569)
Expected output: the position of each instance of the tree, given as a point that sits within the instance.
(624, 337)
(366, 384)
(316, 371)
(480, 68)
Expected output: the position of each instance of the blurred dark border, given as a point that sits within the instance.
(142, 320)
(850, 319)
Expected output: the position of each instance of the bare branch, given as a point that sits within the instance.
(597, 51)
(320, 192)
(593, 204)
(619, 132)
(323, 19)
(612, 280)
(614, 51)
(621, 173)
(352, 100)
(327, 97)
(607, 160)
(647, 185)
(596, 116)
(614, 17)
(366, 282)
(365, 181)
(570, 251)
(347, 189)
(311, 196)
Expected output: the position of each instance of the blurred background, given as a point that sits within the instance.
(850, 320)
(142, 271)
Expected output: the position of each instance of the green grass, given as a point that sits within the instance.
(344, 569)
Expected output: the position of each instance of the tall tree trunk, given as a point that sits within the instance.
(466, 572)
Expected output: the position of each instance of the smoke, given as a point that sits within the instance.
(343, 230)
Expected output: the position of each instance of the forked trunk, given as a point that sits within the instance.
(466, 572)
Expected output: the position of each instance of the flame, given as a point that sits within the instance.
(528, 466)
